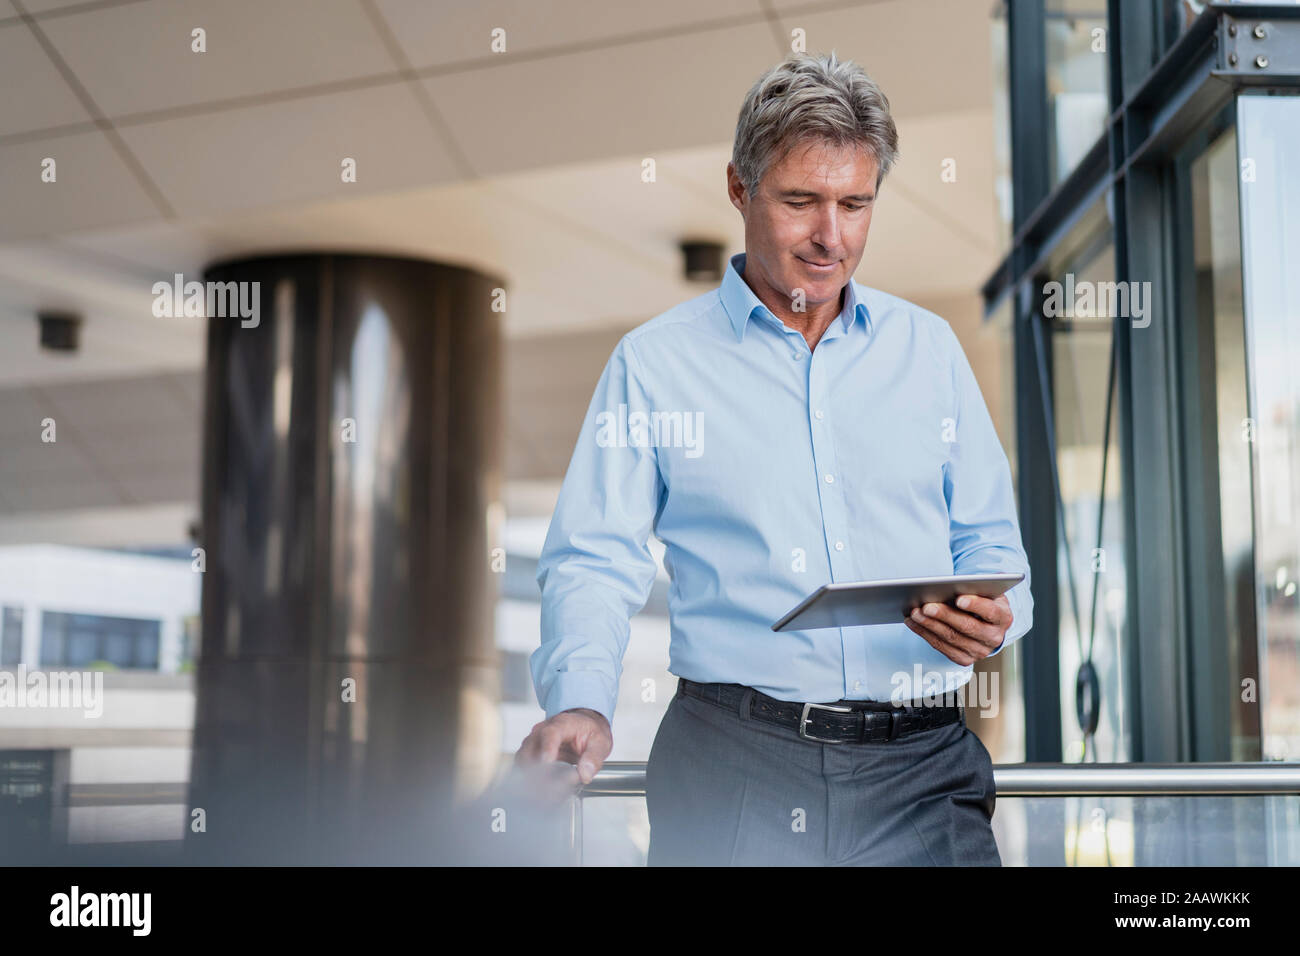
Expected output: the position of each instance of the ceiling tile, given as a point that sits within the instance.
(292, 150)
(159, 486)
(45, 6)
(927, 56)
(797, 6)
(436, 33)
(603, 102)
(93, 188)
(137, 57)
(139, 439)
(60, 494)
(21, 411)
(29, 458)
(189, 384)
(561, 363)
(126, 404)
(46, 99)
(148, 447)
(928, 235)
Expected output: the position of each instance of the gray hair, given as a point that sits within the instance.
(806, 99)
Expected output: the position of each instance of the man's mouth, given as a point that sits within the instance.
(817, 266)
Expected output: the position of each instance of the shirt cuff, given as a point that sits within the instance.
(573, 689)
(1015, 598)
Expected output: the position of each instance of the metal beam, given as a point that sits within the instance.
(1186, 86)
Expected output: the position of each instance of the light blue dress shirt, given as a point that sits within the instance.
(767, 470)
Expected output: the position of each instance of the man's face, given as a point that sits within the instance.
(812, 207)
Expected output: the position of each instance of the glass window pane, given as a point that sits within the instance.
(1002, 733)
(11, 637)
(82, 648)
(1000, 327)
(146, 645)
(1091, 555)
(119, 648)
(77, 640)
(1002, 192)
(1077, 99)
(1221, 378)
(1269, 134)
(53, 638)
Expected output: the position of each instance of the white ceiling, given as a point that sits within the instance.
(526, 164)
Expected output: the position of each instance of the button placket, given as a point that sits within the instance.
(833, 508)
(834, 514)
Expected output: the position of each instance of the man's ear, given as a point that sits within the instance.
(736, 192)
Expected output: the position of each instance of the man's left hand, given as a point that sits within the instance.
(967, 633)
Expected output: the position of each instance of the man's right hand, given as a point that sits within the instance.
(580, 736)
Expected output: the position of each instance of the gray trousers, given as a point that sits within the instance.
(723, 790)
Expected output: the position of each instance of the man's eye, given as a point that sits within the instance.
(852, 207)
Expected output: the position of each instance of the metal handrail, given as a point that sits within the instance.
(626, 778)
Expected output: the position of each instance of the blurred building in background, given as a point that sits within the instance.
(1138, 155)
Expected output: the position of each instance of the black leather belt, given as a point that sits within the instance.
(845, 722)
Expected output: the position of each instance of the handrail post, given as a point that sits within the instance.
(575, 829)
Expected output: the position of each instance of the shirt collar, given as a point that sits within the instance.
(740, 301)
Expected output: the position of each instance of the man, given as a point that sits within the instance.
(838, 435)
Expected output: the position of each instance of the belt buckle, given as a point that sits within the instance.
(803, 722)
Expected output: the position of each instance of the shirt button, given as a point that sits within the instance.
(830, 479)
(796, 355)
(857, 685)
(839, 545)
(819, 414)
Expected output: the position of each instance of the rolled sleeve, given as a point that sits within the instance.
(984, 529)
(596, 570)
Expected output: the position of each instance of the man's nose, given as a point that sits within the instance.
(827, 231)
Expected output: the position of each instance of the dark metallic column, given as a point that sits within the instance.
(347, 682)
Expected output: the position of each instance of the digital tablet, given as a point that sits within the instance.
(850, 604)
